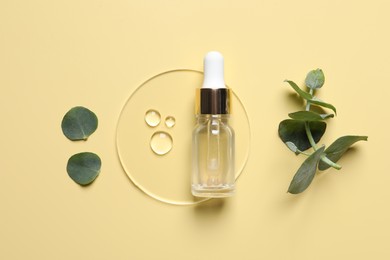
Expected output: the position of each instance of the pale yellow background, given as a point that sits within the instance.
(58, 54)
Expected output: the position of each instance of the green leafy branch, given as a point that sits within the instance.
(304, 130)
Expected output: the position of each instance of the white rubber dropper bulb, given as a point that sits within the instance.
(213, 71)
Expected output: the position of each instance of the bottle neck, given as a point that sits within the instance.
(202, 118)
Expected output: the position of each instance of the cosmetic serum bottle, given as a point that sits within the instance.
(213, 138)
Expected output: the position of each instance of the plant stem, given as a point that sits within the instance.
(329, 162)
(313, 143)
(307, 127)
(310, 136)
(304, 153)
(311, 92)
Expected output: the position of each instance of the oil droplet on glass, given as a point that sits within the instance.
(170, 121)
(152, 118)
(161, 143)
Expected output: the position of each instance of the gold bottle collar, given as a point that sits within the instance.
(213, 101)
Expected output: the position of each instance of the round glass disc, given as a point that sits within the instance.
(166, 175)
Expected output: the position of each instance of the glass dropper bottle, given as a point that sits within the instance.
(213, 137)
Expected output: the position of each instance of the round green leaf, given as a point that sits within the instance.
(79, 123)
(305, 173)
(83, 168)
(315, 79)
(294, 131)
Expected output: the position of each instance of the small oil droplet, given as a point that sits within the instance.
(170, 121)
(161, 143)
(152, 118)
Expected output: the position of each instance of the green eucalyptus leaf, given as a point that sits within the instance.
(336, 150)
(319, 102)
(292, 147)
(306, 116)
(315, 79)
(83, 168)
(326, 116)
(300, 92)
(79, 123)
(309, 97)
(305, 173)
(294, 131)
